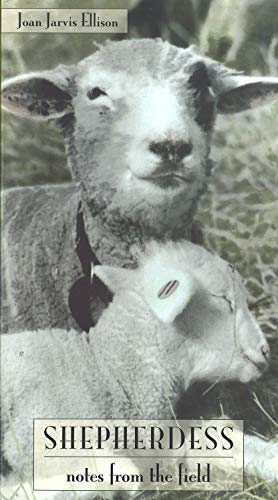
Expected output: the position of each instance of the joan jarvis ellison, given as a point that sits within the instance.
(87, 20)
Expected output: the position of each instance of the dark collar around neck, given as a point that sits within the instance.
(85, 289)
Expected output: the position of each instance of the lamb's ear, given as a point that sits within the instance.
(115, 278)
(42, 95)
(168, 293)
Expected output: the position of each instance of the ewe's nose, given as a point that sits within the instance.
(169, 150)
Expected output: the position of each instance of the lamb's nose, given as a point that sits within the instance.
(263, 362)
(262, 365)
(265, 351)
(169, 150)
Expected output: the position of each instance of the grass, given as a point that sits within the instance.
(238, 215)
(254, 488)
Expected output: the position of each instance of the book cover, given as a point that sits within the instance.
(139, 249)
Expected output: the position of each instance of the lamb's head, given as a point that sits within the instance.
(137, 117)
(196, 306)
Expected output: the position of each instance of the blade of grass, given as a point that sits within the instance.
(258, 403)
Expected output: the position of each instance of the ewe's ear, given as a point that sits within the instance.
(43, 95)
(115, 278)
(168, 292)
(239, 93)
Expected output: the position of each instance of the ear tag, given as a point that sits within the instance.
(168, 289)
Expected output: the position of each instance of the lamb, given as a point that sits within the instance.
(149, 345)
(137, 117)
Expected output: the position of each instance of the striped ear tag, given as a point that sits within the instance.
(168, 289)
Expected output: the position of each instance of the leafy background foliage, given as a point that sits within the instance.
(239, 213)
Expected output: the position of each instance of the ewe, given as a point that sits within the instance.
(181, 316)
(137, 118)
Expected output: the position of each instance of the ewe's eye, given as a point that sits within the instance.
(95, 93)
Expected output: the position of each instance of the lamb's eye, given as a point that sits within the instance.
(95, 93)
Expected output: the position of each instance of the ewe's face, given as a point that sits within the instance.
(143, 123)
(137, 117)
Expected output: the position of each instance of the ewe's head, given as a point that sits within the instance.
(196, 305)
(137, 117)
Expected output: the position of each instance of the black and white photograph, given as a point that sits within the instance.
(139, 249)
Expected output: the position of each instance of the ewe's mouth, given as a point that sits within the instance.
(167, 180)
